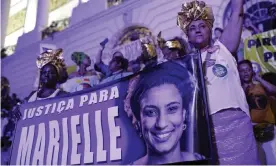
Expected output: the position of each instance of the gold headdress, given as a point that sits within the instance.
(148, 49)
(192, 11)
(170, 43)
(53, 57)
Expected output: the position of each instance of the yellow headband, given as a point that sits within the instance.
(192, 11)
(148, 49)
(173, 44)
(170, 43)
(51, 57)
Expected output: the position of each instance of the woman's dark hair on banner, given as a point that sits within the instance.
(158, 102)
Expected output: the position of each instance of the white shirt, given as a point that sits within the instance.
(223, 83)
(34, 97)
(77, 83)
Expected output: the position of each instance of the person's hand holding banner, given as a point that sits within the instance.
(15, 113)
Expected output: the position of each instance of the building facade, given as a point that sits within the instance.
(90, 22)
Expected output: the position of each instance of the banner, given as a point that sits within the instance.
(154, 117)
(260, 49)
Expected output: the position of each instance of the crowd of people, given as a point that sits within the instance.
(8, 118)
(260, 92)
(248, 98)
(55, 81)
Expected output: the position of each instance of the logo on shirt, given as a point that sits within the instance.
(219, 70)
(258, 102)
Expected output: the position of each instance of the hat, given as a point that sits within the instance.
(55, 58)
(148, 49)
(196, 10)
(169, 43)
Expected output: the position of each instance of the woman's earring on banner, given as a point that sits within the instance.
(184, 126)
(138, 128)
(140, 134)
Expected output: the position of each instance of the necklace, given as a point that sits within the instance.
(208, 62)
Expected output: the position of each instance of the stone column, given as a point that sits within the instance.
(30, 18)
(42, 14)
(5, 10)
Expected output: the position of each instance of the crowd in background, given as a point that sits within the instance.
(8, 118)
(55, 81)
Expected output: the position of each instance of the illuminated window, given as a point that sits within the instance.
(84, 1)
(54, 4)
(16, 21)
(61, 9)
(60, 12)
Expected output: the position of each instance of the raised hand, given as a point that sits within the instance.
(103, 43)
(15, 113)
(232, 32)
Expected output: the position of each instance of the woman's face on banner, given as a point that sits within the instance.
(162, 118)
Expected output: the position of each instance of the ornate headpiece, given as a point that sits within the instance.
(148, 49)
(192, 11)
(169, 43)
(53, 57)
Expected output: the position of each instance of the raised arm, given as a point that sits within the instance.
(232, 33)
(271, 89)
(98, 58)
(100, 53)
(99, 65)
